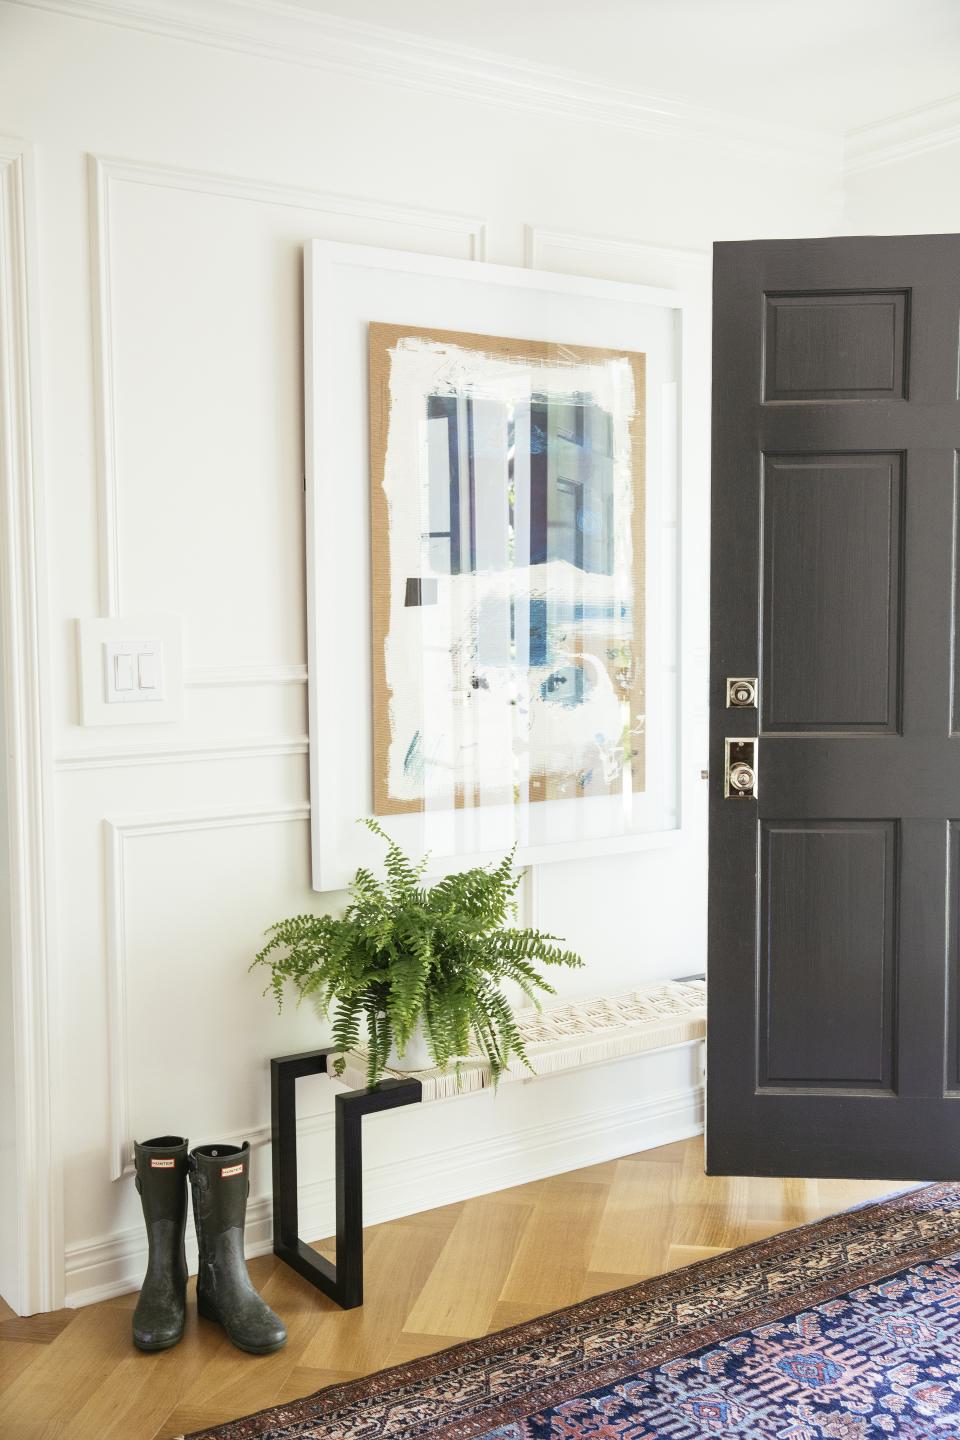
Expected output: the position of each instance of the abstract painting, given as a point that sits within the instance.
(507, 548)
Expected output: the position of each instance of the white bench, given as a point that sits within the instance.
(570, 1035)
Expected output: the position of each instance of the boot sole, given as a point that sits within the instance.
(210, 1314)
(257, 1349)
(150, 1348)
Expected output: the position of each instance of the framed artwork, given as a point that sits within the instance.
(507, 556)
(494, 487)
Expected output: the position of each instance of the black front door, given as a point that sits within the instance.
(834, 964)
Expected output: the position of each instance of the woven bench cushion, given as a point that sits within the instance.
(565, 1037)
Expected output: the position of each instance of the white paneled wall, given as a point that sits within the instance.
(176, 184)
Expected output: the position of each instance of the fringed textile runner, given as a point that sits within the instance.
(847, 1329)
(565, 1037)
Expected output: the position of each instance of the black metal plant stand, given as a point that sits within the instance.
(342, 1281)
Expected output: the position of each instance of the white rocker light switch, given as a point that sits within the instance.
(148, 672)
(122, 674)
(133, 671)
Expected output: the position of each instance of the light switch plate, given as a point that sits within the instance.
(131, 670)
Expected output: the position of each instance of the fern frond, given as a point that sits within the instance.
(402, 954)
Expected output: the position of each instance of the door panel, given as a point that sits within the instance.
(834, 967)
(827, 911)
(953, 959)
(835, 347)
(831, 554)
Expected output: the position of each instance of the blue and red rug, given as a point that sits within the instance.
(847, 1329)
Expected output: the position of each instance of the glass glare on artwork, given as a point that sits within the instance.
(507, 545)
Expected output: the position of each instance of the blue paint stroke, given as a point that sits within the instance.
(564, 612)
(539, 632)
(413, 760)
(568, 686)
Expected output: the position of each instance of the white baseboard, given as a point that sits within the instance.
(113, 1265)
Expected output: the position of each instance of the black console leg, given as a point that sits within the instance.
(343, 1282)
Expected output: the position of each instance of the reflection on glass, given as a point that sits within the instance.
(511, 620)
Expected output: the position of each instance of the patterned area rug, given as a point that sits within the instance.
(848, 1328)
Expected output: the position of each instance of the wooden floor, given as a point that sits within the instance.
(432, 1279)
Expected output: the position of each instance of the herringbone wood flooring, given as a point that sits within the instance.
(433, 1279)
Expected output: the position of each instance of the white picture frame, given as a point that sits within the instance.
(348, 287)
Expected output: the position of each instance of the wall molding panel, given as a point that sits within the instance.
(180, 753)
(232, 677)
(106, 172)
(118, 833)
(114, 1264)
(23, 623)
(648, 261)
(105, 410)
(292, 34)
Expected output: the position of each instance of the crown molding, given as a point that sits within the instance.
(285, 31)
(288, 32)
(901, 137)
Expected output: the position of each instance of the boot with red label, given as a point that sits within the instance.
(161, 1166)
(220, 1181)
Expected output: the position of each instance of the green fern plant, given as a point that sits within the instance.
(404, 952)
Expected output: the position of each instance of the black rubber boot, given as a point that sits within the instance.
(161, 1166)
(220, 1180)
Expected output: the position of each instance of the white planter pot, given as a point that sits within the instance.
(416, 1056)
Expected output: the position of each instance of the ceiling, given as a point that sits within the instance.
(829, 65)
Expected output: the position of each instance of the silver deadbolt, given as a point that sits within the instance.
(740, 768)
(741, 692)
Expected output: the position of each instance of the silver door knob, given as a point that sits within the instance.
(742, 776)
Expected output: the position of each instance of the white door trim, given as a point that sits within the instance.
(26, 692)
